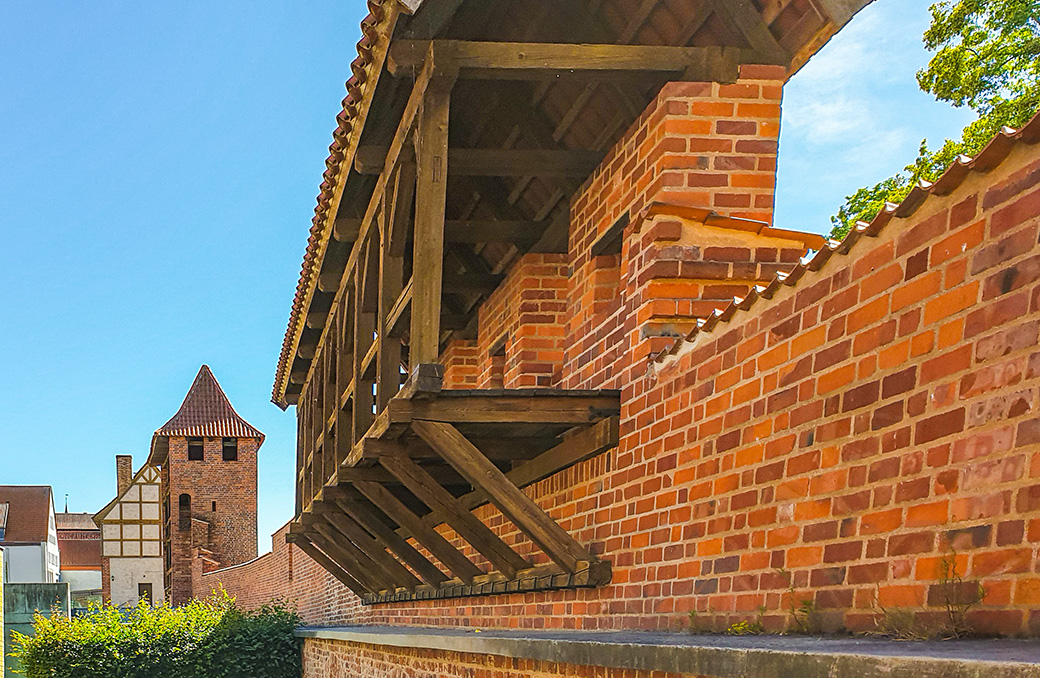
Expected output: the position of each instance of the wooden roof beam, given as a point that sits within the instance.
(549, 61)
(498, 162)
(748, 21)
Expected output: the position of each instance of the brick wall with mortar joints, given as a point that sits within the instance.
(232, 527)
(526, 312)
(849, 430)
(333, 659)
(699, 144)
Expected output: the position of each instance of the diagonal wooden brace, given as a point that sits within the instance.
(472, 465)
(453, 559)
(469, 527)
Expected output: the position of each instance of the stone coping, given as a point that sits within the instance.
(718, 656)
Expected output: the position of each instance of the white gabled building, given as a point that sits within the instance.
(131, 537)
(29, 536)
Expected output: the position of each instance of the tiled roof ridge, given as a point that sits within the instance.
(376, 20)
(991, 157)
(206, 411)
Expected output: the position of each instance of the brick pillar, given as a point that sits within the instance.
(716, 144)
(701, 145)
(461, 364)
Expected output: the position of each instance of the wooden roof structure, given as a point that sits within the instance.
(537, 92)
(468, 127)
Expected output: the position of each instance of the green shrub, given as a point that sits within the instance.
(204, 639)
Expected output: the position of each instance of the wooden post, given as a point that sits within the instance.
(391, 283)
(428, 242)
(364, 328)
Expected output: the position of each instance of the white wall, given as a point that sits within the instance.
(26, 564)
(127, 573)
(53, 556)
(82, 580)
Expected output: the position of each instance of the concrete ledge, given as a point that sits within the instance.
(718, 656)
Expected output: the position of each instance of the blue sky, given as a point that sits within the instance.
(158, 169)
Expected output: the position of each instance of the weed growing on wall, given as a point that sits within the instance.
(204, 639)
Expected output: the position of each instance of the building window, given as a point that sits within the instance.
(144, 592)
(214, 509)
(195, 452)
(230, 449)
(184, 512)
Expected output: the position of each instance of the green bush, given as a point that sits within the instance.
(204, 639)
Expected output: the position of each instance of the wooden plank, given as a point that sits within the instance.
(329, 565)
(399, 311)
(504, 409)
(402, 206)
(369, 517)
(364, 329)
(499, 162)
(372, 548)
(391, 283)
(453, 559)
(520, 509)
(747, 21)
(428, 241)
(514, 232)
(548, 577)
(550, 61)
(468, 526)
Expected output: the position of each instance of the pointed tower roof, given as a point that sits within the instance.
(205, 412)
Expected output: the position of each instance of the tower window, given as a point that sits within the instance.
(230, 447)
(214, 507)
(184, 512)
(195, 452)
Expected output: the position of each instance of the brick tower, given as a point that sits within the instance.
(208, 456)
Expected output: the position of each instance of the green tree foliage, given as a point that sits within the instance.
(986, 57)
(204, 639)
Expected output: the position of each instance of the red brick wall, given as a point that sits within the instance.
(332, 659)
(840, 439)
(704, 145)
(231, 533)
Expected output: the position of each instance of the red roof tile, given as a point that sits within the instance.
(74, 521)
(207, 412)
(80, 554)
(29, 508)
